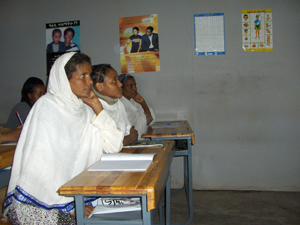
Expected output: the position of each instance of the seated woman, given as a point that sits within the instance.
(32, 90)
(108, 89)
(7, 134)
(139, 114)
(61, 138)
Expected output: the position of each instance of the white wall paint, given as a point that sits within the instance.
(243, 107)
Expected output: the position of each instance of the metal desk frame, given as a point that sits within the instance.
(188, 173)
(147, 217)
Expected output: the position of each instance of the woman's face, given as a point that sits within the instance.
(38, 91)
(68, 37)
(129, 88)
(135, 32)
(81, 82)
(111, 85)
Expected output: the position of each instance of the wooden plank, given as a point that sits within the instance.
(182, 130)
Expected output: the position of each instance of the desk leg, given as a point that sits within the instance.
(189, 178)
(168, 200)
(147, 215)
(80, 209)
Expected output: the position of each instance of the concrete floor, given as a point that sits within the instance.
(238, 208)
(234, 208)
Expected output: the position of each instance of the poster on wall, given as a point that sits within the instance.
(209, 34)
(61, 37)
(139, 48)
(257, 29)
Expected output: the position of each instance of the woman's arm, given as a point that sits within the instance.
(112, 136)
(12, 135)
(140, 45)
(139, 99)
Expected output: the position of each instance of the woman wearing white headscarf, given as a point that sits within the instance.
(61, 137)
(139, 113)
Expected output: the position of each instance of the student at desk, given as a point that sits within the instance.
(108, 89)
(139, 113)
(63, 136)
(32, 90)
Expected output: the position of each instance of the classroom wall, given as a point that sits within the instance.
(243, 106)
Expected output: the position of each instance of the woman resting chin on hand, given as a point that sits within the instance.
(62, 137)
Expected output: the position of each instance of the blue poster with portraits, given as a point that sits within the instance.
(61, 37)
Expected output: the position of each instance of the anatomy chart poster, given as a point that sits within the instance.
(61, 37)
(139, 48)
(257, 29)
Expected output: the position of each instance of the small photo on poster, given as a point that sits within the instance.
(61, 37)
(139, 45)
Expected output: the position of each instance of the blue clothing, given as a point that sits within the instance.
(257, 22)
(23, 109)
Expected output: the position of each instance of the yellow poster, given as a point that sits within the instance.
(139, 48)
(257, 30)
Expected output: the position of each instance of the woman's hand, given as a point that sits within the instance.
(93, 102)
(88, 210)
(138, 98)
(12, 135)
(133, 136)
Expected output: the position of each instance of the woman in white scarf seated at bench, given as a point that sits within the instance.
(61, 137)
(139, 113)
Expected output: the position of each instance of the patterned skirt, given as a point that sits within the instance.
(28, 214)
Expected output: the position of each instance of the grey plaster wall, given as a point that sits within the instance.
(243, 106)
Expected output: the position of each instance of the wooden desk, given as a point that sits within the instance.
(182, 131)
(6, 159)
(148, 185)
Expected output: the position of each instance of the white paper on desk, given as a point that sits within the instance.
(164, 125)
(123, 162)
(104, 209)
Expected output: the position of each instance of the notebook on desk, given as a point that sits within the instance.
(123, 162)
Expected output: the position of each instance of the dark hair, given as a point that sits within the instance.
(99, 72)
(28, 87)
(75, 63)
(136, 28)
(56, 31)
(69, 29)
(150, 28)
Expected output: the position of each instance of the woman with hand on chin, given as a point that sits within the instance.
(67, 131)
(139, 113)
(108, 89)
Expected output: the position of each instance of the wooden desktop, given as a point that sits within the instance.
(149, 185)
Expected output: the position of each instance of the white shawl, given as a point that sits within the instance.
(118, 114)
(136, 115)
(61, 137)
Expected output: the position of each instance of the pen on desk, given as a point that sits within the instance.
(19, 118)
